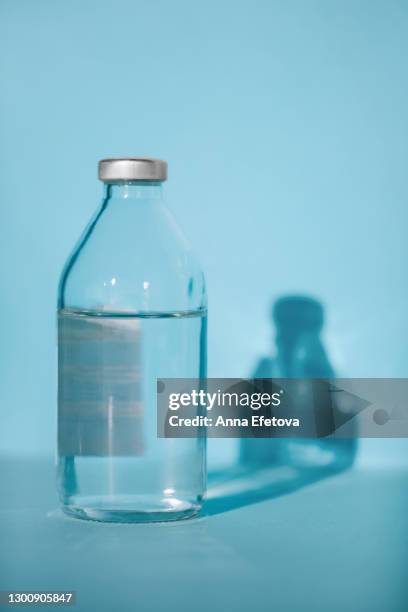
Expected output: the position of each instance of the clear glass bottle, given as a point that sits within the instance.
(131, 309)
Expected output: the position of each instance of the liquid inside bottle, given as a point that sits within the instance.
(111, 461)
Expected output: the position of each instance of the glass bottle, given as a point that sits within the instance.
(131, 309)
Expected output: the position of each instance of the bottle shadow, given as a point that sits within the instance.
(270, 468)
(239, 487)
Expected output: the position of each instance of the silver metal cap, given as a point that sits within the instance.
(132, 169)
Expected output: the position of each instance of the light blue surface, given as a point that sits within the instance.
(334, 545)
(285, 127)
(286, 132)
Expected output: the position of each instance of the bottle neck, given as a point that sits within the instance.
(134, 190)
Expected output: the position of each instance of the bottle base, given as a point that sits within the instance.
(170, 509)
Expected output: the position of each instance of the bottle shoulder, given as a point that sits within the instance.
(132, 259)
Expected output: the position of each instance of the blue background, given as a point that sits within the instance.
(285, 126)
(286, 132)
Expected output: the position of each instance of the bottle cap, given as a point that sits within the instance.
(132, 169)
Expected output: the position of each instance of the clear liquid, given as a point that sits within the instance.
(111, 464)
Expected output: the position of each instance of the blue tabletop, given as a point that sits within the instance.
(266, 541)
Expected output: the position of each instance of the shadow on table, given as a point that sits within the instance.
(269, 468)
(239, 487)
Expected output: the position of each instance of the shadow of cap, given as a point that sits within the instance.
(298, 312)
